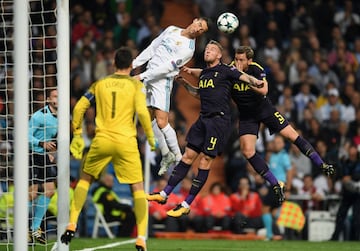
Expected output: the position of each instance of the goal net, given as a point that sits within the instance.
(42, 78)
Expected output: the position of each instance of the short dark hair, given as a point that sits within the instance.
(123, 58)
(208, 21)
(247, 50)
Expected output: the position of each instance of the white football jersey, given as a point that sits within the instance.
(165, 55)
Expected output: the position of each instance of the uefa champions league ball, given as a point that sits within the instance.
(227, 22)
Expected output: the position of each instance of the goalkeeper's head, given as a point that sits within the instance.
(123, 58)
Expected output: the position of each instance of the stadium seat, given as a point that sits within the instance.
(101, 222)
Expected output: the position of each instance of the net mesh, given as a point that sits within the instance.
(42, 78)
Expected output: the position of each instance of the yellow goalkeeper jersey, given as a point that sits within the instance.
(118, 99)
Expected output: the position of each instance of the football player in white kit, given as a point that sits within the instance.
(166, 54)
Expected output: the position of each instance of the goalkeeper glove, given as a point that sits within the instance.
(153, 143)
(77, 146)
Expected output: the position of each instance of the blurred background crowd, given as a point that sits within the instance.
(309, 49)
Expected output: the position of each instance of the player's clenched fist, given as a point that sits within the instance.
(77, 146)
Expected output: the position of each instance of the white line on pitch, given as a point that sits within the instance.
(115, 244)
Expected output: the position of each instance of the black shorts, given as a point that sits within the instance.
(41, 170)
(249, 121)
(209, 135)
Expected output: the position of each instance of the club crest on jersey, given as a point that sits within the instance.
(206, 83)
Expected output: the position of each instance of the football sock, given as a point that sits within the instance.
(197, 184)
(141, 212)
(80, 194)
(307, 149)
(177, 175)
(267, 220)
(171, 140)
(160, 138)
(262, 168)
(41, 207)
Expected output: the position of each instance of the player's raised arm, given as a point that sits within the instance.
(192, 71)
(260, 86)
(193, 90)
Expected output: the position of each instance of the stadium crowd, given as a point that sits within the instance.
(311, 54)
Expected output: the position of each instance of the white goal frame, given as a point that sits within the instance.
(21, 115)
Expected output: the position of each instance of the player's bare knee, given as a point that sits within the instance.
(248, 153)
(162, 122)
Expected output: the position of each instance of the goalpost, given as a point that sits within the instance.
(34, 57)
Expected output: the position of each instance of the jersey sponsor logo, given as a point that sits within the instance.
(241, 87)
(206, 83)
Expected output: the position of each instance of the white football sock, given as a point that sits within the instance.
(171, 141)
(160, 137)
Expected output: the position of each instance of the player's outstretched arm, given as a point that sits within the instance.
(194, 91)
(192, 71)
(260, 86)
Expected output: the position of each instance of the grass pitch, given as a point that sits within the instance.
(105, 244)
(154, 244)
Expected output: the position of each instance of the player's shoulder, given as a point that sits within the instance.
(173, 28)
(256, 65)
(227, 67)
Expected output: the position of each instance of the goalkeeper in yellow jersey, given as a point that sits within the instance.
(118, 99)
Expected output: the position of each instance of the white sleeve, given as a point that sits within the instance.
(160, 71)
(148, 53)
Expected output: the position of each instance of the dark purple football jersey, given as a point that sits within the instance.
(243, 95)
(215, 86)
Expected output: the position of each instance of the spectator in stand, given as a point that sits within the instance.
(124, 31)
(111, 206)
(333, 103)
(216, 208)
(102, 14)
(154, 7)
(84, 26)
(346, 16)
(301, 165)
(145, 28)
(246, 208)
(326, 75)
(340, 58)
(244, 33)
(314, 198)
(354, 125)
(280, 166)
(320, 180)
(350, 197)
(270, 50)
(303, 98)
(315, 194)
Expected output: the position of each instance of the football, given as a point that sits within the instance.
(227, 22)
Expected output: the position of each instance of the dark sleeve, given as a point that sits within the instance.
(258, 72)
(233, 72)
